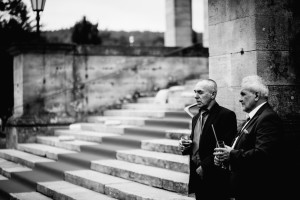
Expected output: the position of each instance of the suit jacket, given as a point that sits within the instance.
(225, 125)
(255, 159)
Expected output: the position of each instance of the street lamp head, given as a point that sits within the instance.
(38, 5)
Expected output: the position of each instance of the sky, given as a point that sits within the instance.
(116, 15)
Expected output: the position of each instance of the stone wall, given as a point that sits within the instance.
(255, 37)
(62, 84)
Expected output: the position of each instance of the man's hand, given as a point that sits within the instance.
(199, 171)
(184, 145)
(222, 154)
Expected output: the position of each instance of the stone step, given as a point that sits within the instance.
(68, 159)
(100, 128)
(137, 113)
(153, 131)
(119, 188)
(28, 196)
(91, 136)
(177, 133)
(145, 99)
(28, 174)
(2, 178)
(43, 150)
(142, 121)
(66, 190)
(153, 106)
(8, 167)
(73, 145)
(185, 98)
(156, 159)
(148, 175)
(145, 113)
(22, 158)
(161, 145)
(107, 149)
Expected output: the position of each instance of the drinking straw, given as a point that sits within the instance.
(215, 135)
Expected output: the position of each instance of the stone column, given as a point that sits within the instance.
(256, 37)
(205, 21)
(178, 23)
(11, 138)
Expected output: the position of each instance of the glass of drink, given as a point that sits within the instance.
(221, 144)
(185, 140)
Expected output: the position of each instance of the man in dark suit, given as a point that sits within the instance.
(208, 181)
(254, 157)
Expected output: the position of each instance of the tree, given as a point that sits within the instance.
(84, 32)
(15, 24)
(15, 27)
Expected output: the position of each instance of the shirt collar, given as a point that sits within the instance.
(254, 111)
(208, 107)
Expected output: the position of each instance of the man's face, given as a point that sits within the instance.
(247, 99)
(203, 95)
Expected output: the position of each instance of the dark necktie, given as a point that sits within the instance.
(198, 130)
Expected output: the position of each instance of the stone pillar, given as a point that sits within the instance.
(205, 21)
(11, 138)
(178, 23)
(256, 37)
(260, 37)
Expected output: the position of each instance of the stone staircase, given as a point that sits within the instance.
(129, 153)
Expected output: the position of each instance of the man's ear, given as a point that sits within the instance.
(257, 96)
(213, 95)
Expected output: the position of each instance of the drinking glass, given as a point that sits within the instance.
(185, 140)
(221, 144)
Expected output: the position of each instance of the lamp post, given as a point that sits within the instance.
(38, 6)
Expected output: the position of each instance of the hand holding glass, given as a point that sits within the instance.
(185, 141)
(221, 144)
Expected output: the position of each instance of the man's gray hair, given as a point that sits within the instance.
(255, 83)
(211, 84)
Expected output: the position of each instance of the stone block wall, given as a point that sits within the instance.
(254, 37)
(63, 84)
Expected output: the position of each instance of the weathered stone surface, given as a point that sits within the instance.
(28, 196)
(142, 192)
(65, 190)
(242, 30)
(22, 158)
(163, 160)
(43, 150)
(221, 11)
(92, 180)
(179, 23)
(176, 134)
(84, 135)
(161, 145)
(7, 167)
(103, 128)
(69, 145)
(276, 67)
(285, 101)
(272, 32)
(139, 113)
(156, 177)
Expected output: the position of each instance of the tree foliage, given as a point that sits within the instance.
(15, 27)
(84, 32)
(15, 24)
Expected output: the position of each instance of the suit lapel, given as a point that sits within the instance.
(210, 119)
(194, 124)
(252, 120)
